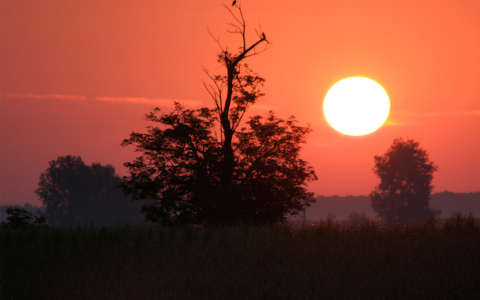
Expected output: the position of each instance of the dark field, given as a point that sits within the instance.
(326, 261)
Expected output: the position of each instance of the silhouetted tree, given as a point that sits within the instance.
(76, 194)
(243, 174)
(406, 174)
(232, 93)
(181, 168)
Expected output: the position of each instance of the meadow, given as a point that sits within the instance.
(329, 260)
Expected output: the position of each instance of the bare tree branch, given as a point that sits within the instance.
(217, 40)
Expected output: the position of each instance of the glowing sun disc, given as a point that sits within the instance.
(356, 106)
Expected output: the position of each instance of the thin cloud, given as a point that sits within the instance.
(162, 102)
(45, 96)
(166, 102)
(391, 122)
(150, 101)
(410, 118)
(471, 113)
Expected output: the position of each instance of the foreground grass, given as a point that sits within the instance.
(326, 261)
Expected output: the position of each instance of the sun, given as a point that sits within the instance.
(356, 106)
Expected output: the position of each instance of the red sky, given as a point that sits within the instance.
(76, 77)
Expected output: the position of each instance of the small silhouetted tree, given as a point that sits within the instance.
(203, 166)
(18, 217)
(403, 193)
(74, 193)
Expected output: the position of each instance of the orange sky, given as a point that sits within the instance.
(76, 77)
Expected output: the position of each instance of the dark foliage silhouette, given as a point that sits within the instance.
(18, 217)
(203, 166)
(406, 174)
(35, 211)
(76, 194)
(181, 168)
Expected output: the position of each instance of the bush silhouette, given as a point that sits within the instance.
(18, 217)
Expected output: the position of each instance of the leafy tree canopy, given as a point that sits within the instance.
(181, 167)
(18, 217)
(405, 173)
(77, 194)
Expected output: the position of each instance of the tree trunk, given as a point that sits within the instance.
(228, 159)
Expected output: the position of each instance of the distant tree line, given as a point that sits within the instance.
(74, 193)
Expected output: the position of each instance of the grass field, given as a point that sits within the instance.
(325, 261)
